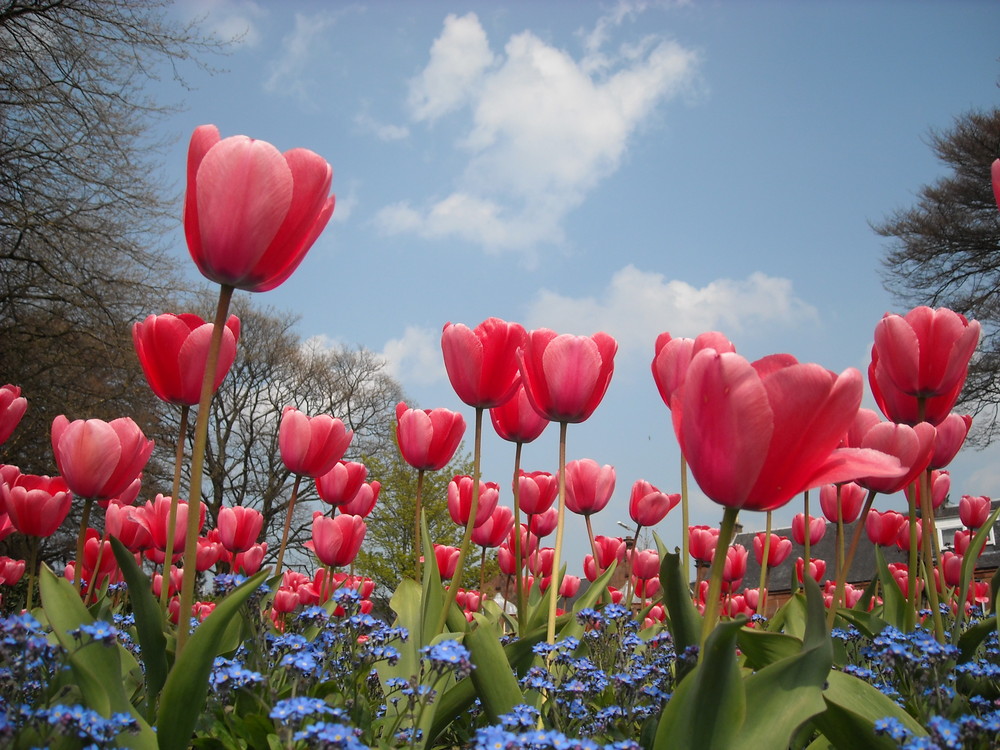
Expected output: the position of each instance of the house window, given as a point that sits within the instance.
(946, 528)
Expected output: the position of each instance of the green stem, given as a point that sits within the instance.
(32, 562)
(197, 469)
(685, 520)
(417, 543)
(174, 500)
(630, 566)
(560, 523)
(927, 529)
(762, 586)
(521, 603)
(288, 525)
(849, 559)
(808, 540)
(80, 540)
(715, 577)
(911, 573)
(456, 581)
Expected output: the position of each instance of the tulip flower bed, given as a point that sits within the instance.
(129, 648)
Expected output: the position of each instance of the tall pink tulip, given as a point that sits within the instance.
(460, 500)
(311, 446)
(566, 376)
(537, 491)
(12, 408)
(647, 506)
(995, 179)
(341, 483)
(973, 511)
(173, 351)
(848, 496)
(251, 213)
(673, 356)
(883, 528)
(515, 420)
(951, 434)
(777, 552)
(589, 486)
(336, 541)
(481, 362)
(496, 528)
(817, 528)
(239, 527)
(36, 505)
(428, 438)
(543, 524)
(99, 459)
(363, 501)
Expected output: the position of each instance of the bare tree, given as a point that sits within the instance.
(945, 251)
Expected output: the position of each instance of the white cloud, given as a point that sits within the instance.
(638, 305)
(382, 131)
(545, 129)
(346, 203)
(289, 72)
(415, 357)
(229, 20)
(459, 58)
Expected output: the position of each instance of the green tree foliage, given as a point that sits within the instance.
(945, 252)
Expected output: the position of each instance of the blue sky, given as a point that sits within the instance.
(632, 167)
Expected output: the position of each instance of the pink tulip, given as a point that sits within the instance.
(610, 549)
(777, 552)
(566, 376)
(673, 356)
(482, 362)
(850, 496)
(647, 506)
(515, 420)
(460, 500)
(341, 483)
(973, 511)
(495, 529)
(12, 408)
(447, 560)
(817, 528)
(311, 446)
(208, 553)
(155, 516)
(736, 563)
(12, 570)
(569, 586)
(926, 352)
(883, 528)
(173, 352)
(239, 528)
(912, 446)
(817, 569)
(995, 177)
(543, 524)
(755, 436)
(248, 563)
(589, 486)
(702, 541)
(99, 459)
(37, 505)
(646, 564)
(540, 562)
(506, 560)
(963, 538)
(363, 501)
(428, 438)
(123, 523)
(951, 434)
(940, 487)
(537, 491)
(951, 564)
(336, 541)
(252, 213)
(903, 535)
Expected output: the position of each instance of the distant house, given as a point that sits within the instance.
(782, 581)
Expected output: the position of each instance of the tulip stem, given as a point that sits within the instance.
(845, 568)
(729, 516)
(927, 529)
(80, 540)
(417, 549)
(174, 499)
(911, 574)
(482, 578)
(519, 585)
(685, 520)
(288, 524)
(197, 468)
(456, 580)
(560, 522)
(32, 562)
(762, 586)
(630, 566)
(808, 535)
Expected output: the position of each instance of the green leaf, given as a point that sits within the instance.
(708, 707)
(852, 708)
(432, 598)
(149, 624)
(97, 669)
(786, 694)
(790, 618)
(868, 623)
(970, 640)
(893, 602)
(761, 647)
(685, 622)
(493, 675)
(183, 695)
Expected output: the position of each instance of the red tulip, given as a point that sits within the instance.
(569, 586)
(515, 420)
(99, 459)
(447, 559)
(647, 506)
(495, 529)
(208, 553)
(36, 505)
(817, 569)
(543, 524)
(428, 438)
(736, 563)
(460, 500)
(702, 541)
(963, 538)
(529, 540)
(122, 522)
(589, 486)
(610, 549)
(173, 351)
(239, 527)
(817, 528)
(912, 446)
(903, 535)
(777, 552)
(341, 483)
(951, 564)
(940, 487)
(926, 352)
(252, 213)
(336, 541)
(951, 434)
(566, 376)
(540, 562)
(646, 564)
(12, 408)
(506, 560)
(97, 551)
(482, 362)
(155, 515)
(850, 496)
(973, 511)
(363, 501)
(883, 528)
(11, 571)
(6, 527)
(995, 176)
(248, 563)
(673, 356)
(536, 491)
(311, 446)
